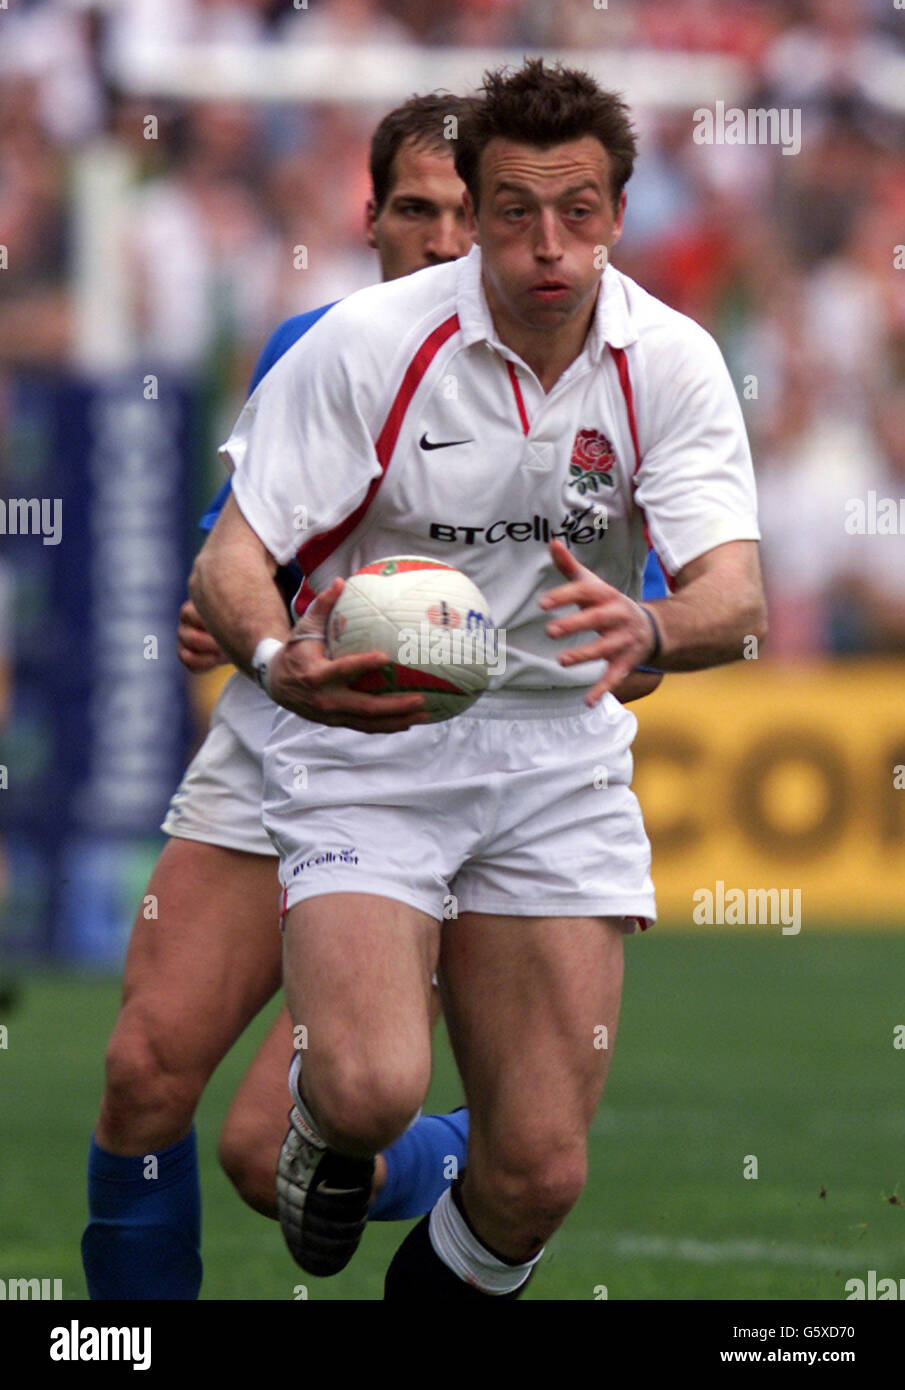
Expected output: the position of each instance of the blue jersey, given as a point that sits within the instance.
(654, 578)
(281, 341)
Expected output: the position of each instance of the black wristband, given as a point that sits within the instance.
(655, 629)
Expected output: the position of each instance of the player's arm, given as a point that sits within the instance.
(636, 685)
(197, 650)
(303, 458)
(695, 485)
(718, 603)
(232, 584)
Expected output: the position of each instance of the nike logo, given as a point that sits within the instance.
(338, 1191)
(425, 443)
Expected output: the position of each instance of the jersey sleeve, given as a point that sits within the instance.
(302, 451)
(282, 339)
(279, 342)
(696, 479)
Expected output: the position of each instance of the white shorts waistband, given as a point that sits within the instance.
(529, 704)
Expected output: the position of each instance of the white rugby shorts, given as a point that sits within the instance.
(219, 799)
(520, 806)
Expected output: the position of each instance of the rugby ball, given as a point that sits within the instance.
(432, 622)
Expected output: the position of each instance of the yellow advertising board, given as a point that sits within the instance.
(765, 776)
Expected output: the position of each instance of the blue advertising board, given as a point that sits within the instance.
(98, 544)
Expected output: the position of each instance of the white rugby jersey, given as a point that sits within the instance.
(400, 424)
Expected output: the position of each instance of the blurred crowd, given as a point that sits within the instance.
(795, 262)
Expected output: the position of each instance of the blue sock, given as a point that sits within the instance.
(143, 1238)
(418, 1169)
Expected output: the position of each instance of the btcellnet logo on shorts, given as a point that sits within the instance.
(327, 856)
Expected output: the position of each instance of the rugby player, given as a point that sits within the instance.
(501, 805)
(198, 973)
(255, 1125)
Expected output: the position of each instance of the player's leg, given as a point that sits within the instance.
(366, 860)
(199, 967)
(408, 1178)
(204, 957)
(357, 972)
(196, 973)
(531, 1006)
(255, 1124)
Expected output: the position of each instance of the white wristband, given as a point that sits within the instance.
(265, 651)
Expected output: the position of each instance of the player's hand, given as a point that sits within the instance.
(304, 679)
(198, 651)
(624, 637)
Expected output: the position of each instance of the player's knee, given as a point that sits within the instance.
(250, 1165)
(538, 1193)
(141, 1081)
(364, 1108)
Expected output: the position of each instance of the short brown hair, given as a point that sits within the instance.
(422, 120)
(545, 105)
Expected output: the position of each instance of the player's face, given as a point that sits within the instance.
(544, 216)
(422, 221)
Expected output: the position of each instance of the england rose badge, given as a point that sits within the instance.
(592, 462)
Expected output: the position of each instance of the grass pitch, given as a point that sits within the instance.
(734, 1046)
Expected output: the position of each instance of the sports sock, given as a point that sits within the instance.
(304, 1118)
(442, 1258)
(418, 1166)
(143, 1238)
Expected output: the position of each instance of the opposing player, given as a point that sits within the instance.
(503, 805)
(198, 972)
